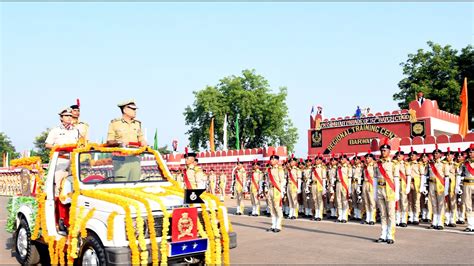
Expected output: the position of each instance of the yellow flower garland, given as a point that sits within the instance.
(125, 200)
(110, 225)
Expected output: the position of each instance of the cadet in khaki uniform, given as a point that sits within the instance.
(294, 182)
(461, 215)
(193, 176)
(356, 188)
(467, 177)
(451, 199)
(405, 180)
(307, 183)
(332, 173)
(255, 179)
(438, 177)
(414, 195)
(343, 182)
(81, 126)
(276, 178)
(318, 187)
(222, 184)
(240, 180)
(387, 175)
(368, 191)
(212, 182)
(425, 202)
(126, 131)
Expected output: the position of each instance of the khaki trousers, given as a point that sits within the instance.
(387, 214)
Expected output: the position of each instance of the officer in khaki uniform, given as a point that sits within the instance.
(294, 182)
(467, 177)
(81, 126)
(318, 187)
(255, 180)
(193, 176)
(414, 195)
(368, 191)
(451, 198)
(222, 184)
(332, 172)
(343, 192)
(276, 178)
(356, 188)
(240, 180)
(212, 182)
(388, 186)
(405, 180)
(307, 180)
(438, 177)
(126, 131)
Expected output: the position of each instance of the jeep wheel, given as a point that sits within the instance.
(92, 252)
(26, 250)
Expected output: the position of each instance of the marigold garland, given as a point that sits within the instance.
(110, 225)
(84, 223)
(126, 198)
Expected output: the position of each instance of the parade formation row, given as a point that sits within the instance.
(433, 187)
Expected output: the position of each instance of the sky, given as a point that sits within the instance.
(337, 55)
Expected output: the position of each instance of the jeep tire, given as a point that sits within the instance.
(25, 248)
(92, 252)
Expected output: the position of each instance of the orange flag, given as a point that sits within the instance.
(211, 135)
(463, 115)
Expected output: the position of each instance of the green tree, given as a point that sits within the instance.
(263, 115)
(6, 146)
(439, 74)
(40, 149)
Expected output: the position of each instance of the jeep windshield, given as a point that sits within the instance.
(97, 167)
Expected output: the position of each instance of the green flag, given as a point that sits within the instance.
(237, 141)
(155, 144)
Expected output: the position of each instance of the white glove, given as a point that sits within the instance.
(458, 185)
(358, 190)
(407, 190)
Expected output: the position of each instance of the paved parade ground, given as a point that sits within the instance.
(307, 242)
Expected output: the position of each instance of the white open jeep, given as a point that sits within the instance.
(116, 194)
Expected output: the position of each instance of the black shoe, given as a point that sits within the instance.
(270, 230)
(338, 221)
(293, 218)
(409, 222)
(397, 225)
(250, 214)
(416, 223)
(390, 241)
(318, 219)
(371, 223)
(380, 240)
(403, 225)
(276, 230)
(468, 230)
(312, 218)
(451, 225)
(428, 220)
(344, 221)
(238, 213)
(459, 222)
(440, 227)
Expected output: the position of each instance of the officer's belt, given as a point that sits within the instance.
(468, 180)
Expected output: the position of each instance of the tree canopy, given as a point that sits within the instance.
(263, 115)
(40, 149)
(6, 146)
(439, 74)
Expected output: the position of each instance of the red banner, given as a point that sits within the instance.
(184, 224)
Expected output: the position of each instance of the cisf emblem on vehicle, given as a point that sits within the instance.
(184, 224)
